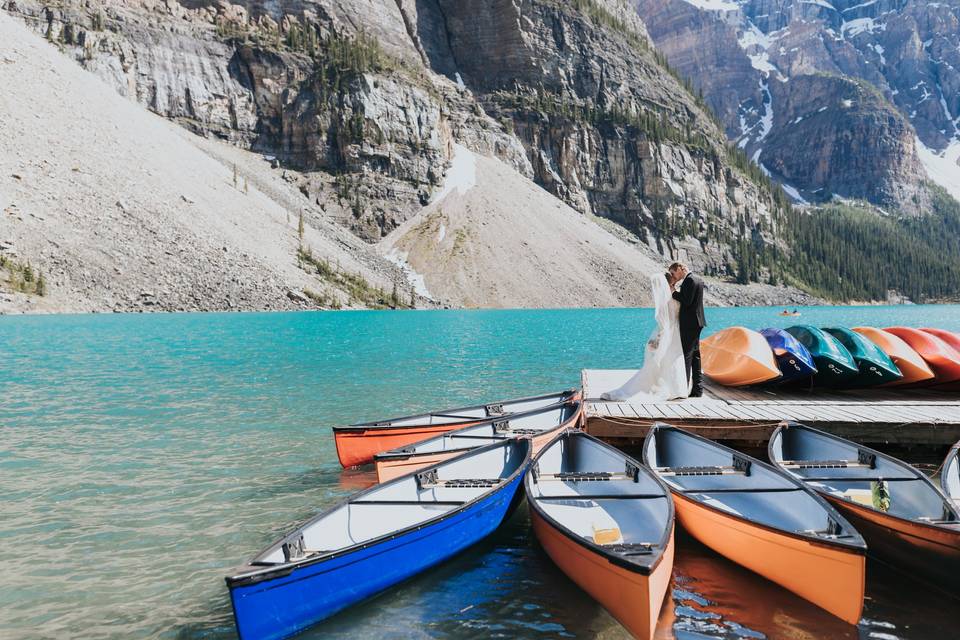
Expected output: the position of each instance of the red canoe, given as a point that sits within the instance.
(951, 338)
(358, 443)
(942, 358)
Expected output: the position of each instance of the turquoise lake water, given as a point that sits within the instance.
(142, 456)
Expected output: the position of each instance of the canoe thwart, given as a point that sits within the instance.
(494, 409)
(631, 472)
(632, 548)
(429, 480)
(824, 464)
(605, 496)
(740, 466)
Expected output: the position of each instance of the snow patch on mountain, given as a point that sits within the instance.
(943, 167)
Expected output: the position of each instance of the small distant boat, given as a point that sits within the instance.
(738, 356)
(761, 518)
(540, 425)
(904, 518)
(942, 358)
(913, 368)
(607, 522)
(789, 314)
(358, 443)
(950, 474)
(374, 540)
(875, 366)
(793, 359)
(835, 366)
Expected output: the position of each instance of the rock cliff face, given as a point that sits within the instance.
(365, 100)
(747, 56)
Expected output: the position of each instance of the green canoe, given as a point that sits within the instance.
(835, 366)
(875, 366)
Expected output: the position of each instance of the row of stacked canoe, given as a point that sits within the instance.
(806, 521)
(834, 357)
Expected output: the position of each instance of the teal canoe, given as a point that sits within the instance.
(875, 366)
(836, 367)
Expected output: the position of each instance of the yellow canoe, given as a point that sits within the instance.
(738, 356)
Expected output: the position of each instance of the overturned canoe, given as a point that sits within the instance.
(376, 539)
(874, 365)
(951, 338)
(904, 518)
(793, 359)
(358, 443)
(540, 426)
(607, 522)
(761, 518)
(913, 368)
(738, 356)
(943, 359)
(950, 474)
(835, 366)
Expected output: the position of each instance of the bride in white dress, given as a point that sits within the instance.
(664, 374)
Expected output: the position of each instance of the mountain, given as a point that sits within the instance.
(361, 107)
(346, 144)
(833, 97)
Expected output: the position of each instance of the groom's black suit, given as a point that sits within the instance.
(692, 323)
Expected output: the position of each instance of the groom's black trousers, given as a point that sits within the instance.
(690, 342)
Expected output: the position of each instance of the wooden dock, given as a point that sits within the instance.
(745, 417)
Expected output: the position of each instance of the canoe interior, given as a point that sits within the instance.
(603, 498)
(950, 474)
(729, 481)
(525, 424)
(402, 503)
(477, 412)
(852, 473)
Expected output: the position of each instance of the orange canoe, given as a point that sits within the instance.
(607, 522)
(906, 521)
(738, 356)
(541, 426)
(358, 443)
(951, 338)
(942, 358)
(762, 518)
(914, 368)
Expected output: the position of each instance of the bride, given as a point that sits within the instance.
(664, 374)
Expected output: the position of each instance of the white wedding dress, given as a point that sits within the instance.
(664, 374)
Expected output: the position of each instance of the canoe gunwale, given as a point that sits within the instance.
(855, 542)
(918, 476)
(262, 573)
(953, 453)
(565, 396)
(398, 453)
(612, 558)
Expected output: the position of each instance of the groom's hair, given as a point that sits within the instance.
(675, 266)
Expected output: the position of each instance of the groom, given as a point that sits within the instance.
(692, 322)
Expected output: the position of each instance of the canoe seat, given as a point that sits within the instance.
(494, 409)
(429, 480)
(740, 466)
(823, 464)
(526, 432)
(833, 531)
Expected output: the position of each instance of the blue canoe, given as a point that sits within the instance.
(793, 359)
(376, 539)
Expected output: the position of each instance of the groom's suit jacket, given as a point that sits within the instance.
(691, 303)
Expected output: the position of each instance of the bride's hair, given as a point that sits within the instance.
(667, 275)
